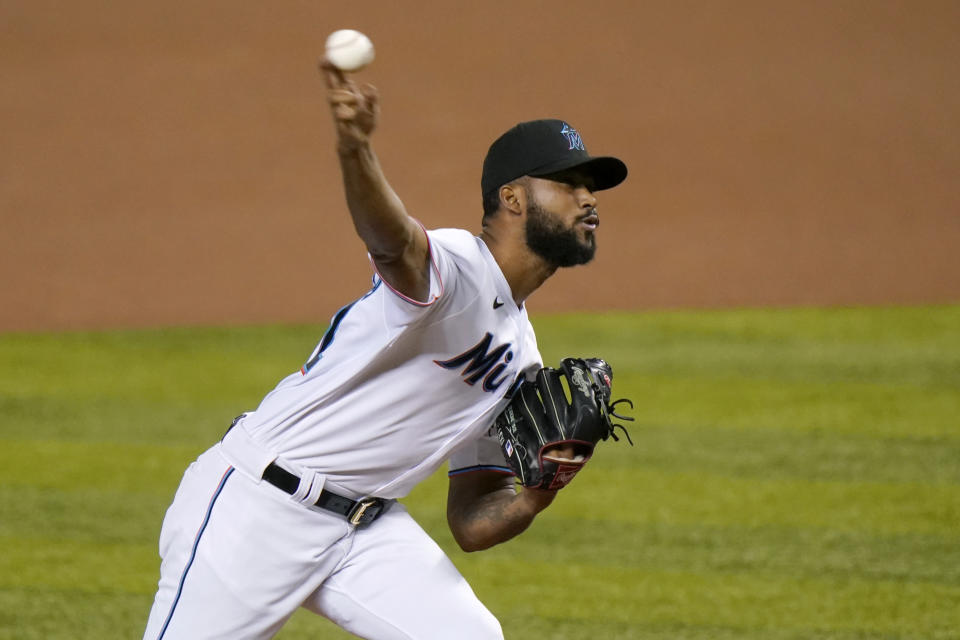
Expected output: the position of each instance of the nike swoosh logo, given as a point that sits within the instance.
(497, 303)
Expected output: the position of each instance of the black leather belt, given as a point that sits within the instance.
(357, 512)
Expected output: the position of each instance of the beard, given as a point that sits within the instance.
(558, 245)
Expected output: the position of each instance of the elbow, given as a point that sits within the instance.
(470, 545)
(468, 538)
(466, 541)
(388, 241)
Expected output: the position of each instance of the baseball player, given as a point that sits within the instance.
(297, 505)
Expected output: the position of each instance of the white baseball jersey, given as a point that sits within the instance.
(395, 386)
(393, 389)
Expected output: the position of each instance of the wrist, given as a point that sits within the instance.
(353, 148)
(538, 499)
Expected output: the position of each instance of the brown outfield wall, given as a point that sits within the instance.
(172, 163)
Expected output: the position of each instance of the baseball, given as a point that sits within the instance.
(349, 50)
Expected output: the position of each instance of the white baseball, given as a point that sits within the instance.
(349, 50)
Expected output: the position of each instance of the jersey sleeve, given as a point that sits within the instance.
(455, 265)
(436, 277)
(482, 454)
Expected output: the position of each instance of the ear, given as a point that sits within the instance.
(513, 198)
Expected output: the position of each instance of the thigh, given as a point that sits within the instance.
(396, 583)
(237, 559)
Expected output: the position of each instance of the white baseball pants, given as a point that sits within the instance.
(240, 556)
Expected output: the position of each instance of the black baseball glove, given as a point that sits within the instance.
(543, 419)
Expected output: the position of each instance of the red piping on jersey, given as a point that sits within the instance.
(433, 265)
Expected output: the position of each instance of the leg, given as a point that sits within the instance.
(238, 557)
(397, 584)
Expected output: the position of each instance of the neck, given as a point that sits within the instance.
(524, 270)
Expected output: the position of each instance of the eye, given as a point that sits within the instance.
(570, 179)
(574, 180)
(577, 180)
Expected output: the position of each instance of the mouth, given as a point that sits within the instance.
(590, 221)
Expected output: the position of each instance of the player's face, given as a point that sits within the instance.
(562, 218)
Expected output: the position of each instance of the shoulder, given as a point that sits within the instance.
(456, 241)
(456, 251)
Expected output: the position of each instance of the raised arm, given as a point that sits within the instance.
(484, 508)
(396, 242)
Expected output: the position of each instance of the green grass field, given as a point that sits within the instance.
(796, 474)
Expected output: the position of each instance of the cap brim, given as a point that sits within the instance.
(606, 171)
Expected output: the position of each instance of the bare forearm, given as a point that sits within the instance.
(377, 212)
(496, 517)
(396, 243)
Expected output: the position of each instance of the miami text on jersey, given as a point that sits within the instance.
(480, 362)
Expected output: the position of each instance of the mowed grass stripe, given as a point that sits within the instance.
(712, 499)
(787, 454)
(83, 515)
(29, 613)
(913, 346)
(866, 407)
(902, 329)
(164, 386)
(130, 419)
(784, 551)
(53, 562)
(595, 521)
(54, 464)
(751, 602)
(153, 363)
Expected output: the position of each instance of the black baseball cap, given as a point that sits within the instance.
(541, 147)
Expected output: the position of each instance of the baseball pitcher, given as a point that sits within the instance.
(297, 505)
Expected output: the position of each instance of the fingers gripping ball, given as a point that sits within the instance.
(349, 50)
(547, 437)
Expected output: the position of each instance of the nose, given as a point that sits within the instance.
(586, 197)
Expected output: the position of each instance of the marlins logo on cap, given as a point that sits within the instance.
(540, 148)
(576, 142)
